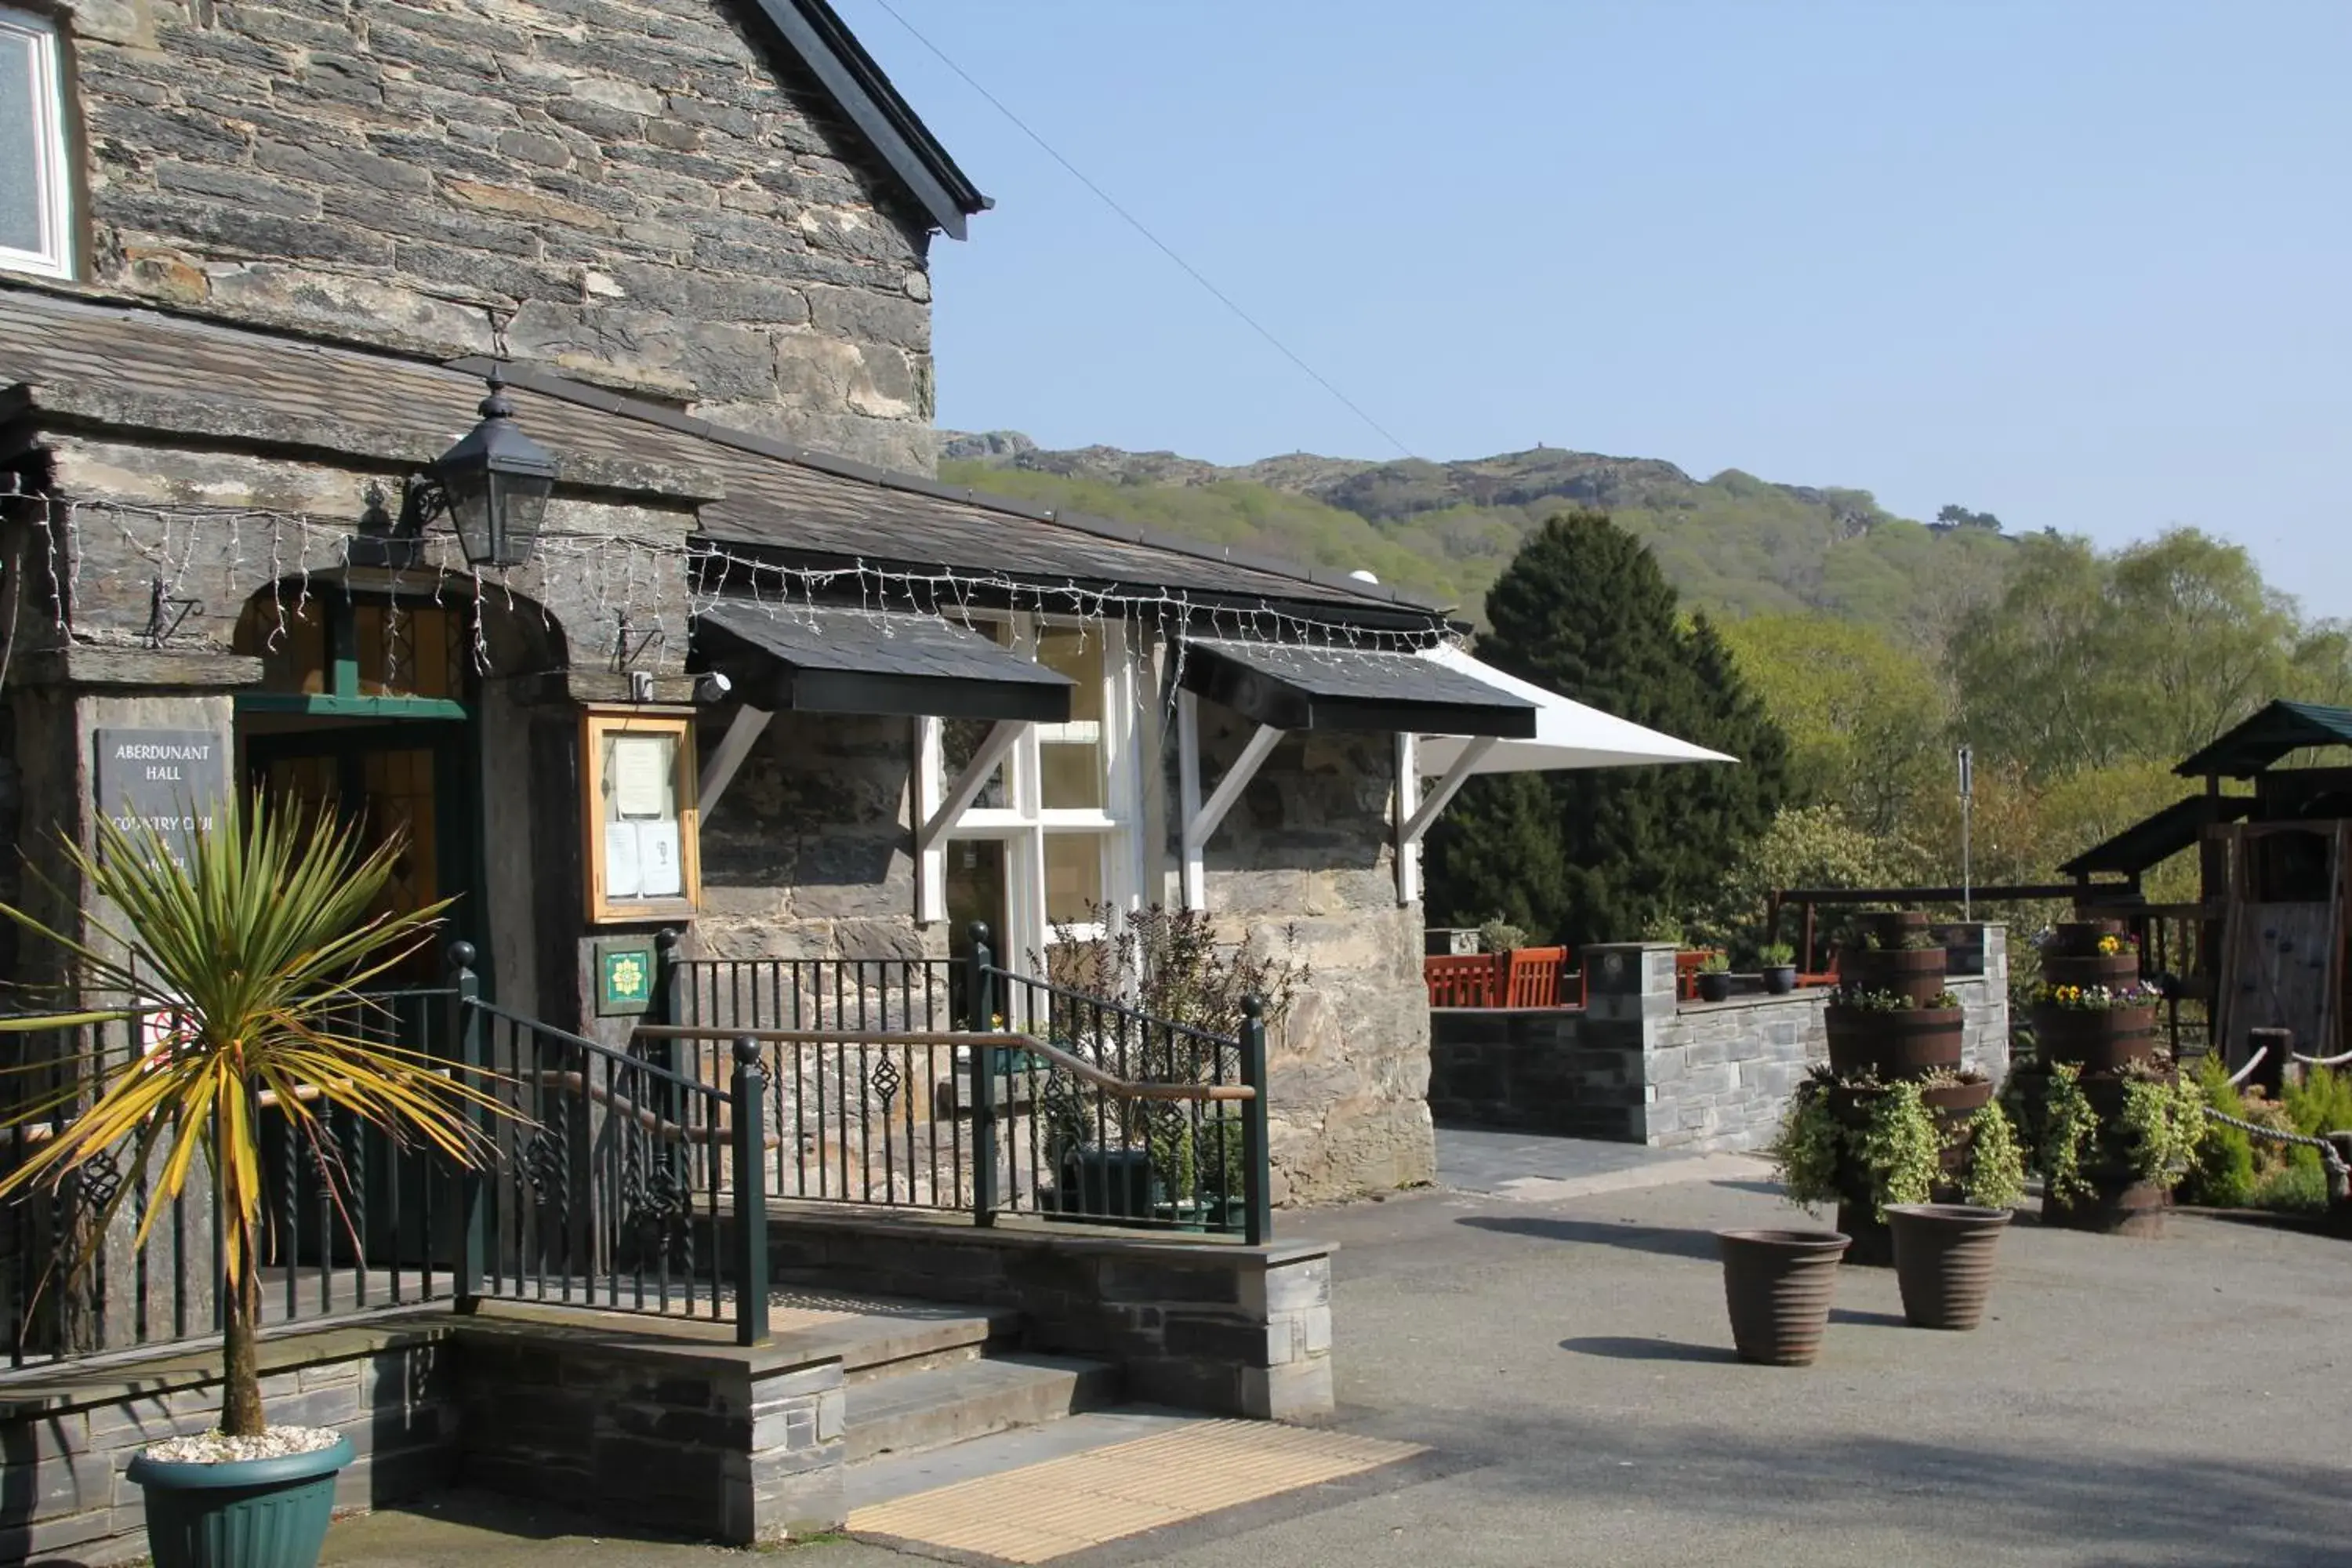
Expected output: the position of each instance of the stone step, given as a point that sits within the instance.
(914, 1411)
(887, 1338)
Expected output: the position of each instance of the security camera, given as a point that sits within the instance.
(712, 688)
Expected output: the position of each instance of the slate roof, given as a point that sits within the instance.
(2157, 837)
(828, 659)
(2267, 736)
(823, 42)
(132, 367)
(1301, 687)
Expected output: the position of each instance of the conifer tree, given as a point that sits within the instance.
(1606, 854)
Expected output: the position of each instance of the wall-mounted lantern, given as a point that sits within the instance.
(493, 484)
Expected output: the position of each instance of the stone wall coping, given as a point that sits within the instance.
(1808, 994)
(956, 1229)
(169, 1369)
(172, 1369)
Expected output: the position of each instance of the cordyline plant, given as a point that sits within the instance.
(255, 951)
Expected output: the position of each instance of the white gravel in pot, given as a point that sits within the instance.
(216, 1448)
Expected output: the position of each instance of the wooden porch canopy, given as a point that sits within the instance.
(1292, 686)
(835, 660)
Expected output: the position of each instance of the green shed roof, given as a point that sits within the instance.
(2255, 744)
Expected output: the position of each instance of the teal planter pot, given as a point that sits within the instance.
(247, 1514)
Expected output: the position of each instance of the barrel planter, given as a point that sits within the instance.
(1777, 1286)
(1917, 972)
(2099, 1040)
(1909, 1044)
(2113, 970)
(241, 1513)
(1944, 1261)
(2122, 1205)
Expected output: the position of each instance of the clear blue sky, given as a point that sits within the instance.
(2086, 265)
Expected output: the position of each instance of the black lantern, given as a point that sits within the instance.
(494, 484)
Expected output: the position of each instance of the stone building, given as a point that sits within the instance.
(258, 265)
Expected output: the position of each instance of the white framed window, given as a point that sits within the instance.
(36, 199)
(1054, 837)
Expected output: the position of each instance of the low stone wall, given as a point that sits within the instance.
(390, 1388)
(702, 1439)
(1636, 1066)
(1224, 1329)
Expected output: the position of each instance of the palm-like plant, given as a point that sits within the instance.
(256, 950)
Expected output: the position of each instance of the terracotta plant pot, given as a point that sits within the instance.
(2101, 1042)
(1893, 1044)
(1943, 1261)
(1777, 1284)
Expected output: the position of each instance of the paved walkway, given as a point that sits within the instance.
(1566, 1361)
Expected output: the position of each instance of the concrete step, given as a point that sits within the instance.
(911, 1412)
(889, 1476)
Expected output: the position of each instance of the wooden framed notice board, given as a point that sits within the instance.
(642, 839)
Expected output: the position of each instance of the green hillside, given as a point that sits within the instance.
(1733, 542)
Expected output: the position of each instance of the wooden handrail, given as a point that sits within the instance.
(651, 1120)
(1109, 1083)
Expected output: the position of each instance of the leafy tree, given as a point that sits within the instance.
(1865, 715)
(1600, 855)
(1961, 517)
(1805, 846)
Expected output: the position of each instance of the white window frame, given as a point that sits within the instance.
(51, 176)
(1117, 826)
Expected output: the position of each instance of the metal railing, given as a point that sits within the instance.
(620, 1183)
(359, 1224)
(958, 1085)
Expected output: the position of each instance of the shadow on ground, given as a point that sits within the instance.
(1617, 1347)
(1674, 1243)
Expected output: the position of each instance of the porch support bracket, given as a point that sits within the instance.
(1416, 813)
(1201, 817)
(733, 747)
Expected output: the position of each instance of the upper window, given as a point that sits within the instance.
(35, 212)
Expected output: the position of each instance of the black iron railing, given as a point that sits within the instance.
(620, 1183)
(358, 1223)
(961, 1084)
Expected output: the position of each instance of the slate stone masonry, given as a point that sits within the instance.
(658, 202)
(1635, 1066)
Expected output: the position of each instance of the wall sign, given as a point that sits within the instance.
(167, 780)
(625, 976)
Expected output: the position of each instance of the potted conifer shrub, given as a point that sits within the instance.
(262, 944)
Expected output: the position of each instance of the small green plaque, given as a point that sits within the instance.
(625, 976)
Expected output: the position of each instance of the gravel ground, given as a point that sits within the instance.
(2176, 1402)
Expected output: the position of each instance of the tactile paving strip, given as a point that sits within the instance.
(1041, 1512)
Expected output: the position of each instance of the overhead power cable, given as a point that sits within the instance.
(1137, 224)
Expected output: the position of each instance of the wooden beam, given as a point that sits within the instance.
(1439, 798)
(1203, 817)
(998, 745)
(733, 747)
(1408, 798)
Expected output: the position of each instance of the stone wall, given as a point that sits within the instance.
(659, 202)
(64, 1443)
(1306, 864)
(810, 853)
(1639, 1067)
(1225, 1330)
(697, 1439)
